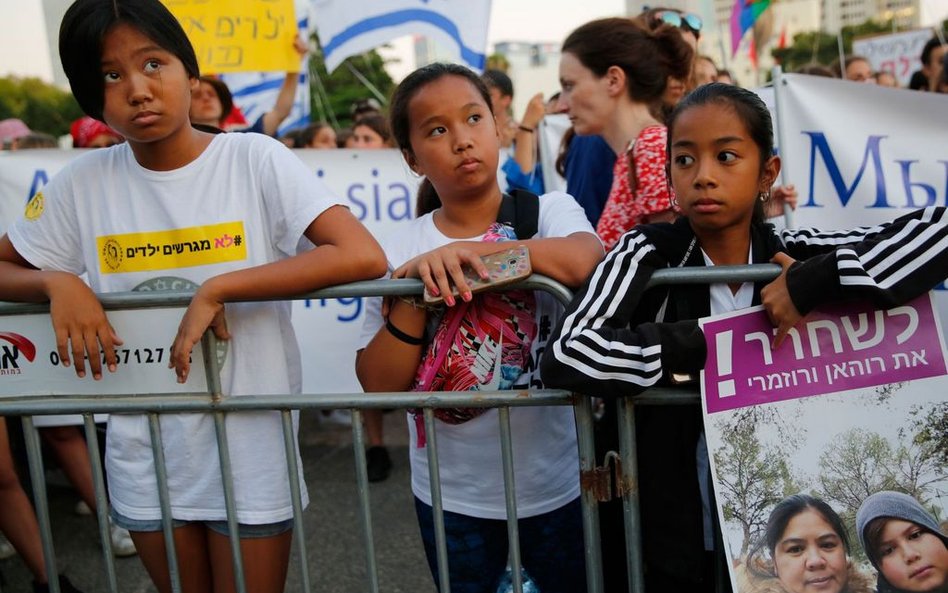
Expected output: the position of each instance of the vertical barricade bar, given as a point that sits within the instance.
(212, 372)
(227, 481)
(630, 494)
(587, 463)
(34, 455)
(510, 496)
(434, 477)
(164, 500)
(362, 488)
(289, 443)
(101, 501)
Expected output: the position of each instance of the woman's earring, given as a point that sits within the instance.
(763, 196)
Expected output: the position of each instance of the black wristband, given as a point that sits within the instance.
(525, 129)
(402, 336)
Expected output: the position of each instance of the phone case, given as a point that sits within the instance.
(503, 267)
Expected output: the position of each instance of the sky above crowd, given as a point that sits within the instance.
(23, 44)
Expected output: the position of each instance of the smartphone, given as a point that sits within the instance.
(503, 267)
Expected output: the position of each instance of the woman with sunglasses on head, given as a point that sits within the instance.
(689, 26)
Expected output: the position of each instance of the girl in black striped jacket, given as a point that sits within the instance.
(618, 339)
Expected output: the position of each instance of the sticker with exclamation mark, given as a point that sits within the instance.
(723, 343)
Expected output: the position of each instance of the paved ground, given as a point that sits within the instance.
(333, 533)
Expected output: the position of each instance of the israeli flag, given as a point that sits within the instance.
(347, 28)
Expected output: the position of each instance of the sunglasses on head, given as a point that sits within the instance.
(688, 20)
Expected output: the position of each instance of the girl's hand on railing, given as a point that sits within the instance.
(205, 311)
(442, 268)
(80, 325)
(775, 297)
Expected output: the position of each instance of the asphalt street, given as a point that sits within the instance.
(335, 553)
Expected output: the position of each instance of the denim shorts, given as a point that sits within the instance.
(247, 531)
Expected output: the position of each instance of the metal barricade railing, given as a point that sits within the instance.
(211, 402)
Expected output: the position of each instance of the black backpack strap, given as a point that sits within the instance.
(520, 209)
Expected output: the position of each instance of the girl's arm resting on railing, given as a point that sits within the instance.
(595, 351)
(345, 252)
(78, 320)
(568, 260)
(388, 363)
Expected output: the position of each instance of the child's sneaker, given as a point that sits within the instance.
(6, 548)
(122, 544)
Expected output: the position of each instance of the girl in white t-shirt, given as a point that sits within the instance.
(442, 121)
(174, 208)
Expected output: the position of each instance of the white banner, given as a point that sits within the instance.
(862, 154)
(898, 53)
(30, 363)
(376, 184)
(345, 29)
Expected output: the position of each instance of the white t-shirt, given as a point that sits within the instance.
(546, 462)
(245, 201)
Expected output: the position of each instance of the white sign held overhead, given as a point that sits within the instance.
(458, 26)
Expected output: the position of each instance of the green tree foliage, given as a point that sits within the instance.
(333, 94)
(823, 48)
(859, 463)
(753, 478)
(43, 107)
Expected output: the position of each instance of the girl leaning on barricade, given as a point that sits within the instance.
(130, 64)
(443, 123)
(617, 339)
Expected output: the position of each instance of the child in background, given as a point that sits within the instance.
(87, 132)
(130, 64)
(443, 123)
(904, 543)
(618, 339)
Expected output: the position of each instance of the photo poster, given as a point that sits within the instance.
(854, 401)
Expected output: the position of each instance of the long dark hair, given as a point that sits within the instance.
(780, 517)
(84, 28)
(428, 199)
(648, 57)
(752, 112)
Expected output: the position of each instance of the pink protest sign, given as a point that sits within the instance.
(831, 350)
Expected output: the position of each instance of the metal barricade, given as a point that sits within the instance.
(212, 402)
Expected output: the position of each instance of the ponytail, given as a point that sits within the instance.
(428, 199)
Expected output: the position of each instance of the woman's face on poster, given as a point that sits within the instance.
(912, 558)
(810, 556)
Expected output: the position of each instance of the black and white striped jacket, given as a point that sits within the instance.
(609, 344)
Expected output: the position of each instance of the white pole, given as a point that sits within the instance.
(779, 83)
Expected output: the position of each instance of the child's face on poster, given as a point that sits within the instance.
(810, 556)
(913, 559)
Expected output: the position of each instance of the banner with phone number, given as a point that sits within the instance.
(30, 363)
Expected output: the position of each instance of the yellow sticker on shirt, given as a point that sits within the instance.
(35, 207)
(176, 248)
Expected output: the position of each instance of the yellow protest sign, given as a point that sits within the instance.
(239, 35)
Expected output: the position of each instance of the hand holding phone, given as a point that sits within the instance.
(504, 267)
